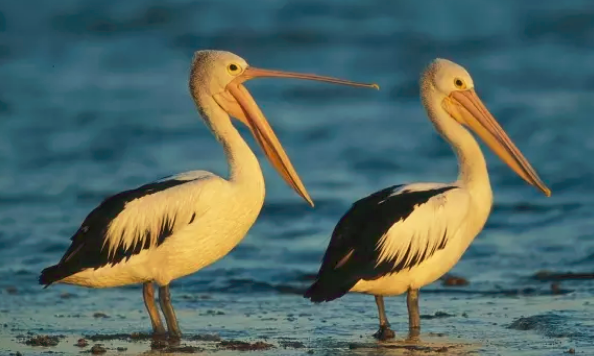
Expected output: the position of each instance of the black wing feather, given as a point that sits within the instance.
(88, 249)
(352, 254)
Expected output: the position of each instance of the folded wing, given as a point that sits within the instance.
(129, 222)
(387, 232)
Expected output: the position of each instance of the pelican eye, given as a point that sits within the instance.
(459, 83)
(233, 68)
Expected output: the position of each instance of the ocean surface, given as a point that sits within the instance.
(94, 100)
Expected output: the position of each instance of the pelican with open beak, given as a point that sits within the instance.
(238, 102)
(176, 226)
(406, 236)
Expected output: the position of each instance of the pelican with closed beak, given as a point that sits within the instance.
(406, 236)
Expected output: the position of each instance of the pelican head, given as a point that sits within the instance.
(455, 89)
(220, 75)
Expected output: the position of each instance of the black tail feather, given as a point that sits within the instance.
(324, 291)
(53, 274)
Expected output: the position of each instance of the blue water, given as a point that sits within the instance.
(94, 100)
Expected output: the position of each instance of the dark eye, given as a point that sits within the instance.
(233, 67)
(459, 83)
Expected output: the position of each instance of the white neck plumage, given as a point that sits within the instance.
(472, 167)
(244, 168)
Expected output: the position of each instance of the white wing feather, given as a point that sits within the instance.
(176, 206)
(426, 227)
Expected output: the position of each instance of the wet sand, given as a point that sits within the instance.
(455, 322)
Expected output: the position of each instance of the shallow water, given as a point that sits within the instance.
(94, 100)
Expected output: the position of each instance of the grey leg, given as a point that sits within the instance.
(170, 318)
(384, 332)
(148, 293)
(414, 319)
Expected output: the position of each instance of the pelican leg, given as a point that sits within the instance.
(148, 294)
(170, 318)
(384, 332)
(414, 319)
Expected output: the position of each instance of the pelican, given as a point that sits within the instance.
(404, 237)
(178, 225)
